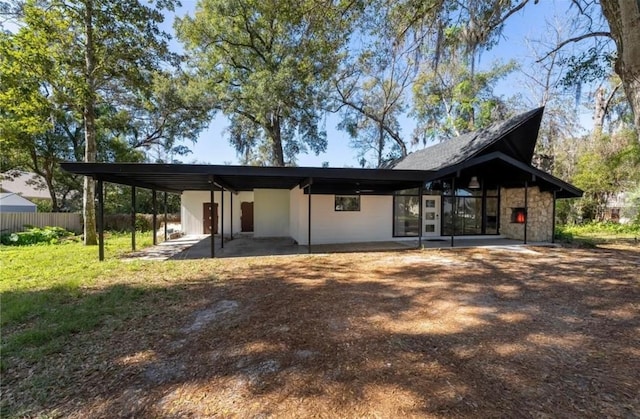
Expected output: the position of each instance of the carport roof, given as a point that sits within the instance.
(181, 177)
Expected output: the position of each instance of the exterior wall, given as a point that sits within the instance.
(191, 210)
(271, 213)
(372, 223)
(296, 198)
(539, 214)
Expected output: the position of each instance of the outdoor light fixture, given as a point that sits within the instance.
(473, 183)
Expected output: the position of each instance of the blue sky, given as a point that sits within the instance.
(213, 147)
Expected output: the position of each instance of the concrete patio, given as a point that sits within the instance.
(199, 247)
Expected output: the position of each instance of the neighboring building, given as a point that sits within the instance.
(26, 184)
(478, 184)
(619, 208)
(11, 202)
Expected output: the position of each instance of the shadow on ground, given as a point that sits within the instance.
(485, 333)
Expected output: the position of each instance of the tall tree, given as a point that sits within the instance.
(269, 62)
(623, 17)
(556, 148)
(102, 63)
(372, 87)
(371, 96)
(621, 24)
(451, 99)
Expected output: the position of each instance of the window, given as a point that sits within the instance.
(406, 218)
(347, 203)
(468, 215)
(470, 211)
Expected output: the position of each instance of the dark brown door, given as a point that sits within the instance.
(206, 217)
(246, 219)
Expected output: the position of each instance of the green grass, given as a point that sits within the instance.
(49, 292)
(591, 234)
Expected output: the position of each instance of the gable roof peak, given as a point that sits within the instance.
(515, 137)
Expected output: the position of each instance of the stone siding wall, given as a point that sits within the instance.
(539, 213)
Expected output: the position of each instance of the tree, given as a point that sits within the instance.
(370, 93)
(451, 95)
(268, 63)
(483, 21)
(451, 100)
(609, 164)
(557, 145)
(371, 87)
(103, 66)
(623, 17)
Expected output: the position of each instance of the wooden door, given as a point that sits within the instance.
(246, 218)
(206, 217)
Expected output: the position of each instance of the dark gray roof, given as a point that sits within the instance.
(515, 137)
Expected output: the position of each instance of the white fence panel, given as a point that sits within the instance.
(11, 222)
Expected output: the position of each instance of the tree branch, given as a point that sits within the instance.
(574, 39)
(512, 11)
(610, 98)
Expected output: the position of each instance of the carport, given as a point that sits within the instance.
(176, 178)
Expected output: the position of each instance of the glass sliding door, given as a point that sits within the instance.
(406, 215)
(470, 212)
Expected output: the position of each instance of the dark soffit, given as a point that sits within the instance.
(181, 177)
(506, 171)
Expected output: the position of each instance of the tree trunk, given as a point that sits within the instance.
(380, 143)
(624, 20)
(89, 116)
(276, 142)
(599, 113)
(54, 199)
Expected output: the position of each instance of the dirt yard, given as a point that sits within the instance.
(530, 332)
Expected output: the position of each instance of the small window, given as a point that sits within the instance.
(347, 203)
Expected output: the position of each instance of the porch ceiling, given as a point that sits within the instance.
(499, 169)
(181, 177)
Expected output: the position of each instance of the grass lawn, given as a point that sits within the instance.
(597, 233)
(438, 333)
(51, 292)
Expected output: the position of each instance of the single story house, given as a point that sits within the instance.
(26, 184)
(479, 184)
(12, 202)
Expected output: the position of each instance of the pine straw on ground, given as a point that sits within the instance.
(535, 332)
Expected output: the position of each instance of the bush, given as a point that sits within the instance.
(122, 222)
(35, 235)
(603, 228)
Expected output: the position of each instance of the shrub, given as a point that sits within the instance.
(122, 222)
(35, 235)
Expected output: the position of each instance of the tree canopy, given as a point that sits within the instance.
(93, 81)
(268, 64)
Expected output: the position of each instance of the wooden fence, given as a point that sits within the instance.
(11, 222)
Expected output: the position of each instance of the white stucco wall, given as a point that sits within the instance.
(294, 208)
(372, 223)
(284, 213)
(271, 213)
(191, 210)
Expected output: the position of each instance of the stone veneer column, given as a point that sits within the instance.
(539, 213)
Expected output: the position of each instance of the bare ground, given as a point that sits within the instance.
(536, 332)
